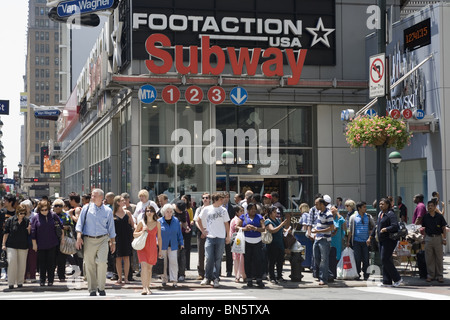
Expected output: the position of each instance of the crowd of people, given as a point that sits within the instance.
(333, 227)
(103, 227)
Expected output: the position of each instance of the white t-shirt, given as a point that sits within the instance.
(215, 218)
(140, 209)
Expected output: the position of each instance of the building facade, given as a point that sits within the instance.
(266, 83)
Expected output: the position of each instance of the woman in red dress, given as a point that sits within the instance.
(149, 255)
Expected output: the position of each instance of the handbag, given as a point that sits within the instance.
(3, 260)
(401, 233)
(68, 246)
(266, 237)
(139, 242)
(289, 240)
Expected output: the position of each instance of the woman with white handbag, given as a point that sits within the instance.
(150, 229)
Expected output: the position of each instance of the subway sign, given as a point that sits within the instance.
(252, 37)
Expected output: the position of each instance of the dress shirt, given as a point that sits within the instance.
(96, 221)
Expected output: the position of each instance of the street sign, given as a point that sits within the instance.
(407, 114)
(171, 94)
(147, 93)
(419, 114)
(347, 114)
(216, 95)
(394, 113)
(377, 79)
(4, 107)
(69, 8)
(238, 96)
(371, 113)
(193, 95)
(47, 114)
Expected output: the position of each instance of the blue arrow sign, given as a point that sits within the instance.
(147, 93)
(69, 8)
(4, 107)
(238, 96)
(371, 113)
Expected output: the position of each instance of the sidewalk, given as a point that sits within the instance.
(410, 278)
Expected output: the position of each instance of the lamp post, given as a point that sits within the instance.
(19, 187)
(395, 158)
(227, 160)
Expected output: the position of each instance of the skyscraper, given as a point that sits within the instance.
(42, 83)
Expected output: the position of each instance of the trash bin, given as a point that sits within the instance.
(296, 260)
(308, 245)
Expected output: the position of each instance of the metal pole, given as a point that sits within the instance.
(381, 150)
(395, 168)
(227, 169)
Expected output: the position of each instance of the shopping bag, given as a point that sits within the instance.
(346, 268)
(239, 243)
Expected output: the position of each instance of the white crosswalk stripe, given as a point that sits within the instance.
(198, 294)
(406, 293)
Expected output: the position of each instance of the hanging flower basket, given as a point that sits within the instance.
(377, 131)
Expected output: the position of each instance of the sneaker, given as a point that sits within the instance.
(216, 283)
(205, 282)
(398, 283)
(181, 278)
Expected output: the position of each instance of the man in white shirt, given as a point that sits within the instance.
(217, 232)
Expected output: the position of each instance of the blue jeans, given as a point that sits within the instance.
(321, 249)
(214, 248)
(361, 251)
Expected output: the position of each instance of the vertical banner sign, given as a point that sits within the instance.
(377, 76)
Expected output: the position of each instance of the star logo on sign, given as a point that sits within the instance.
(320, 34)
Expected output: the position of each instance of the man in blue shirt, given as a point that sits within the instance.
(361, 226)
(96, 225)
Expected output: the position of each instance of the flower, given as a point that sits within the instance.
(365, 131)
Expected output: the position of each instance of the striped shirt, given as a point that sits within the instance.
(324, 221)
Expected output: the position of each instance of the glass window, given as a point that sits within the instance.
(152, 116)
(159, 172)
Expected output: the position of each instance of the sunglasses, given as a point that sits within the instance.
(205, 197)
(58, 206)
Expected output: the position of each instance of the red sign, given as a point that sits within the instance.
(394, 113)
(216, 95)
(193, 95)
(171, 94)
(407, 114)
(249, 59)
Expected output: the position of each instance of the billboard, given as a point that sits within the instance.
(49, 165)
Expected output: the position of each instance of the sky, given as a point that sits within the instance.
(13, 26)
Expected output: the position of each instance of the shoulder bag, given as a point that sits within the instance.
(139, 242)
(68, 246)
